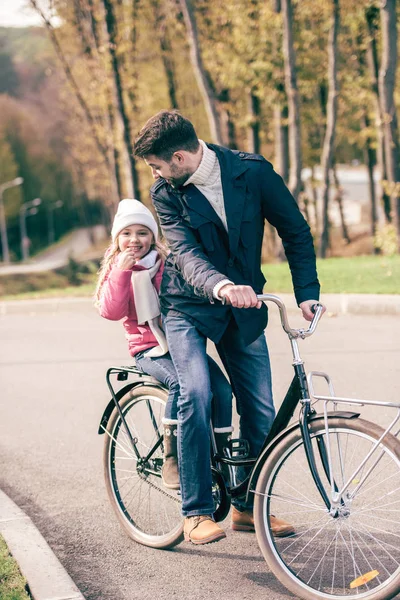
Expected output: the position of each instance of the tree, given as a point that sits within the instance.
(9, 77)
(203, 81)
(327, 152)
(120, 110)
(371, 17)
(161, 29)
(387, 80)
(295, 153)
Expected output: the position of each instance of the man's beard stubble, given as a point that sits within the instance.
(178, 179)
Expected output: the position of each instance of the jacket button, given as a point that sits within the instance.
(230, 262)
(242, 155)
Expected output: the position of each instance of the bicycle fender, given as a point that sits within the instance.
(144, 380)
(267, 451)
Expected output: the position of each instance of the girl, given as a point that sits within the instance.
(128, 286)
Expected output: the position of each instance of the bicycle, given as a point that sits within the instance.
(333, 475)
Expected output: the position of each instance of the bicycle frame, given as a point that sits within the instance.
(298, 392)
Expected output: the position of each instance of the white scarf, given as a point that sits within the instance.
(147, 303)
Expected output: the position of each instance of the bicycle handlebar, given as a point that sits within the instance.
(293, 333)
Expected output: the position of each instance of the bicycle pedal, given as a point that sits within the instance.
(238, 448)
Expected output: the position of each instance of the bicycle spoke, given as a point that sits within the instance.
(377, 541)
(293, 500)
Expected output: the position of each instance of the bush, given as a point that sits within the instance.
(386, 240)
(31, 282)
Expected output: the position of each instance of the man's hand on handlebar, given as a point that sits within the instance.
(239, 296)
(306, 307)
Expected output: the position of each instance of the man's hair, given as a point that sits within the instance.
(165, 133)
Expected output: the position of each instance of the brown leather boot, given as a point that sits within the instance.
(222, 439)
(169, 471)
(201, 529)
(244, 521)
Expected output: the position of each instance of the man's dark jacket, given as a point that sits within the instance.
(203, 253)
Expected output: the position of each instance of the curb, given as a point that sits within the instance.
(361, 304)
(354, 304)
(47, 579)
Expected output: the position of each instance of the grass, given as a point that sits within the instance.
(345, 275)
(86, 290)
(12, 584)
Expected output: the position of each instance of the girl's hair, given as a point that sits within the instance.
(109, 258)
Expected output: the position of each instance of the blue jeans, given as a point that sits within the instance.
(162, 368)
(249, 370)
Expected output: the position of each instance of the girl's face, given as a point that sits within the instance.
(137, 238)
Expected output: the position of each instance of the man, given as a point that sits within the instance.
(212, 204)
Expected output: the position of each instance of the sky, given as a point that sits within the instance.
(13, 13)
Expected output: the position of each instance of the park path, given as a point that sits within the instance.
(74, 244)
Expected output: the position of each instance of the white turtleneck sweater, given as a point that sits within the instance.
(207, 179)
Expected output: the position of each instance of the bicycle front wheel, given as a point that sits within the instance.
(352, 551)
(149, 513)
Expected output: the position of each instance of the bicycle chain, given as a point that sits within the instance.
(151, 484)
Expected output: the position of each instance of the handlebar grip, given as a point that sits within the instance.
(314, 307)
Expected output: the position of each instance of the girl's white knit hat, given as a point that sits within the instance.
(133, 212)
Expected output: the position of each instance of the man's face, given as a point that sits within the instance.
(176, 172)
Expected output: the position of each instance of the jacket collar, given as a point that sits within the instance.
(234, 190)
(229, 161)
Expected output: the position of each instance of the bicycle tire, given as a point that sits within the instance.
(356, 554)
(149, 513)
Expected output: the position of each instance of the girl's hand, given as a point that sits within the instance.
(126, 259)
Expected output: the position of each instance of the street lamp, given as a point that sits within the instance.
(3, 225)
(50, 219)
(27, 209)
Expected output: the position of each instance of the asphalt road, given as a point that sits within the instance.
(52, 368)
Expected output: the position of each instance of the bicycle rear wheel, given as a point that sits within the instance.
(149, 513)
(354, 553)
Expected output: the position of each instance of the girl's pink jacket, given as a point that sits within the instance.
(117, 302)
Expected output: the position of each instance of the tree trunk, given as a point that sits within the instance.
(292, 93)
(93, 23)
(228, 129)
(371, 15)
(92, 40)
(387, 82)
(206, 90)
(327, 152)
(131, 189)
(253, 104)
(281, 141)
(369, 159)
(339, 200)
(132, 62)
(165, 51)
(314, 196)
